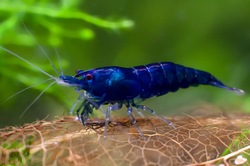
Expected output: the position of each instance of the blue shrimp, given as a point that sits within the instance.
(128, 86)
(118, 86)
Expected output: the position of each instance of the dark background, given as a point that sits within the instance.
(209, 35)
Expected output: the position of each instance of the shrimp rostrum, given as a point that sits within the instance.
(118, 86)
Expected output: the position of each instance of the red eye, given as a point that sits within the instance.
(88, 77)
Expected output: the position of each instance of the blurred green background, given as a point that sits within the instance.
(209, 35)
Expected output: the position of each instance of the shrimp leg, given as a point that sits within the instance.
(78, 110)
(154, 113)
(110, 108)
(129, 112)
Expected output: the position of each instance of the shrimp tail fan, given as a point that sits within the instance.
(219, 84)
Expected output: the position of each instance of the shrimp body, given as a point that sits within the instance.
(156, 79)
(111, 85)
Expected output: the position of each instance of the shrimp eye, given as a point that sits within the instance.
(88, 77)
(79, 71)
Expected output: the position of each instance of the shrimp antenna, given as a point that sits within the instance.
(28, 62)
(59, 59)
(26, 89)
(36, 99)
(41, 48)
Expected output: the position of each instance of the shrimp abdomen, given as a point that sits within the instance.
(160, 78)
